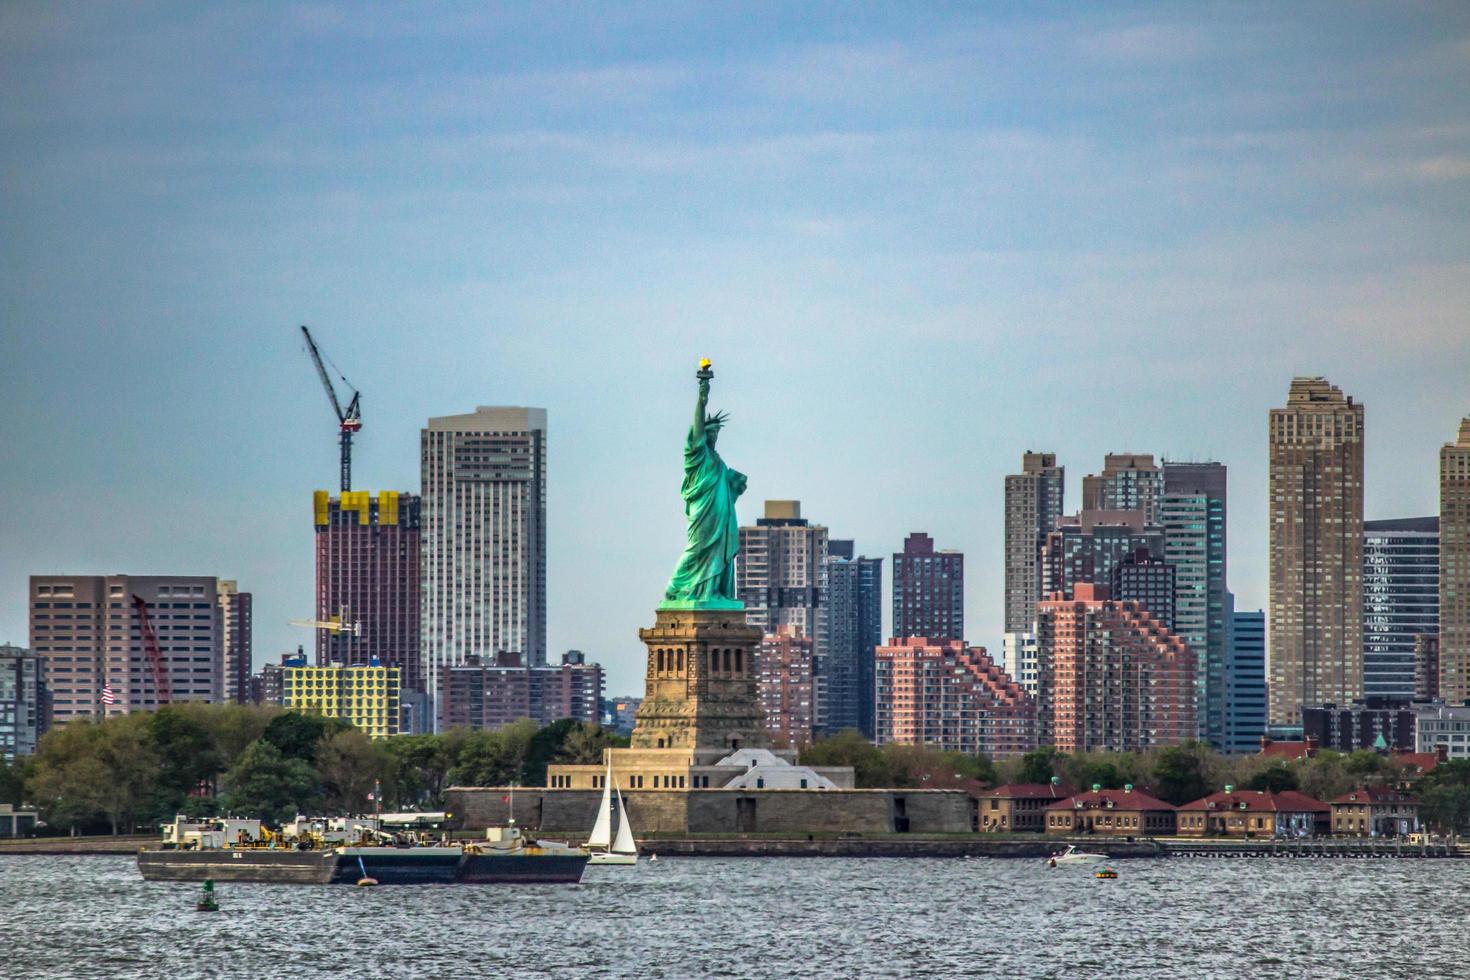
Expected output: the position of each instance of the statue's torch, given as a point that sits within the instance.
(706, 370)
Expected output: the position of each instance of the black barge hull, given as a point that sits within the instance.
(227, 864)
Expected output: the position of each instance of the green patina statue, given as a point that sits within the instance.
(705, 577)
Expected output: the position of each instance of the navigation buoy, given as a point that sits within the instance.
(1107, 873)
(366, 882)
(206, 901)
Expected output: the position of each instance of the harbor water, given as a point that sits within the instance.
(828, 917)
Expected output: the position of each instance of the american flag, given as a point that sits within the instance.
(107, 696)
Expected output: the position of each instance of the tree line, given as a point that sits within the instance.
(137, 770)
(1178, 774)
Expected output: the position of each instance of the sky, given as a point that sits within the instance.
(915, 239)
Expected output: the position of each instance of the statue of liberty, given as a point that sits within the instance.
(705, 576)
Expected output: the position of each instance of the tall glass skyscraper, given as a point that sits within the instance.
(1193, 513)
(1245, 679)
(1400, 600)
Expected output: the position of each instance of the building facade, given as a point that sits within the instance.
(1375, 811)
(365, 695)
(1125, 812)
(928, 591)
(1454, 568)
(786, 681)
(1375, 722)
(1111, 677)
(1443, 728)
(1034, 499)
(369, 574)
(1019, 807)
(1400, 601)
(98, 637)
(952, 697)
(236, 612)
(1129, 481)
(22, 702)
(484, 537)
(1193, 513)
(1254, 813)
(1087, 547)
(1316, 550)
(1245, 679)
(1426, 667)
(1148, 580)
(781, 576)
(489, 693)
(1020, 656)
(854, 630)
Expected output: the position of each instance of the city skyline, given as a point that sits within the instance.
(986, 232)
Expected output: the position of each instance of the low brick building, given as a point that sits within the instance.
(1124, 812)
(1254, 813)
(1375, 811)
(1018, 806)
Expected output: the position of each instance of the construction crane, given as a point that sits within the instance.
(349, 419)
(333, 625)
(162, 691)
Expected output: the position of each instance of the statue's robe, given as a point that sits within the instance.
(706, 570)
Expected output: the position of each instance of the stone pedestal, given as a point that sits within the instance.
(700, 696)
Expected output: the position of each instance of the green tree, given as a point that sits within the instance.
(187, 754)
(871, 768)
(1039, 765)
(495, 758)
(296, 734)
(347, 765)
(1444, 797)
(266, 784)
(12, 782)
(133, 766)
(1276, 777)
(1181, 773)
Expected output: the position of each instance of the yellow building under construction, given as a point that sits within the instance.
(367, 696)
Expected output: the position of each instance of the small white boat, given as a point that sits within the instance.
(1073, 856)
(605, 847)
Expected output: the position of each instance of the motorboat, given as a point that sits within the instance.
(1073, 856)
(606, 847)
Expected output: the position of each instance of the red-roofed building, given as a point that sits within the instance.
(1254, 813)
(1124, 812)
(1375, 811)
(1289, 751)
(1018, 806)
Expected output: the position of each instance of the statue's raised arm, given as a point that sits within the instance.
(705, 576)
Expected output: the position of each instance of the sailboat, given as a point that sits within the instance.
(605, 848)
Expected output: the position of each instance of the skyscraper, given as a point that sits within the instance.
(22, 702)
(491, 692)
(1316, 550)
(1089, 546)
(854, 629)
(786, 682)
(1110, 676)
(368, 572)
(1454, 568)
(952, 697)
(1149, 581)
(484, 537)
(1400, 601)
(1193, 514)
(1033, 502)
(780, 575)
(928, 591)
(95, 632)
(1245, 678)
(236, 610)
(1129, 481)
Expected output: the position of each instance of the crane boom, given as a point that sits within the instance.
(162, 690)
(321, 372)
(349, 419)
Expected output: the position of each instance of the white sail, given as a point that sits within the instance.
(602, 829)
(624, 844)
